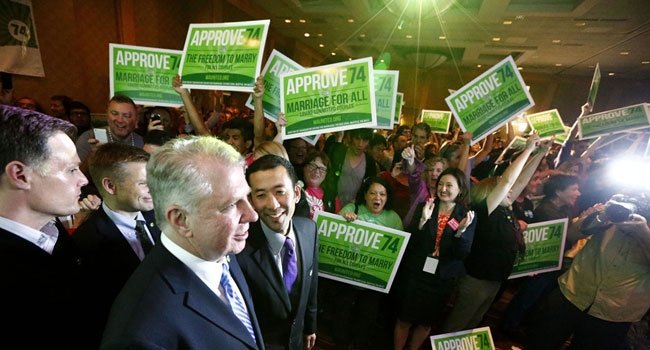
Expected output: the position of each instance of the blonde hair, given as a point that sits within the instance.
(482, 189)
(270, 147)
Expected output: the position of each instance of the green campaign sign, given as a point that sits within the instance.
(595, 83)
(490, 100)
(547, 123)
(19, 52)
(385, 96)
(399, 101)
(471, 339)
(614, 121)
(144, 74)
(359, 253)
(329, 98)
(439, 121)
(224, 56)
(544, 248)
(561, 138)
(275, 65)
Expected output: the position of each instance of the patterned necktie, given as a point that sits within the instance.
(236, 304)
(289, 264)
(143, 238)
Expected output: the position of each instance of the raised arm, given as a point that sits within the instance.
(258, 113)
(190, 109)
(485, 150)
(529, 168)
(510, 175)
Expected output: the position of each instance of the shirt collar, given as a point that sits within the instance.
(276, 239)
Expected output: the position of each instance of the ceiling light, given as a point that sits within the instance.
(442, 37)
(287, 20)
(306, 35)
(520, 68)
(400, 25)
(302, 21)
(362, 35)
(556, 41)
(321, 45)
(479, 65)
(645, 62)
(507, 23)
(333, 53)
(319, 34)
(558, 64)
(409, 36)
(520, 17)
(611, 74)
(349, 58)
(581, 24)
(350, 20)
(496, 38)
(624, 53)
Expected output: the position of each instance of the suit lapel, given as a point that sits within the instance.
(201, 300)
(262, 256)
(306, 259)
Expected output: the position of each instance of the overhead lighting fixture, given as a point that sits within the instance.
(479, 65)
(558, 64)
(442, 37)
(556, 41)
(302, 20)
(645, 62)
(400, 25)
(350, 20)
(287, 20)
(319, 34)
(581, 24)
(362, 35)
(520, 17)
(496, 38)
(611, 74)
(321, 45)
(306, 35)
(507, 23)
(409, 36)
(520, 68)
(624, 53)
(333, 53)
(349, 58)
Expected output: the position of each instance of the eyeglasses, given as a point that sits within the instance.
(315, 167)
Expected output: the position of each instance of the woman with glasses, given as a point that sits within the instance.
(314, 173)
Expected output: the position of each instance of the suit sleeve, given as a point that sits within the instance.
(312, 301)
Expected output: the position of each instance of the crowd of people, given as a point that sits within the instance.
(193, 228)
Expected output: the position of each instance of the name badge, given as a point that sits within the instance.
(430, 265)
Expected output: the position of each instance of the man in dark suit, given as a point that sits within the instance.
(39, 265)
(111, 241)
(189, 292)
(280, 260)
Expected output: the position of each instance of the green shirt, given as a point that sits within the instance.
(386, 218)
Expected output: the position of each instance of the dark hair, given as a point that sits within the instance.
(363, 133)
(401, 128)
(122, 99)
(422, 126)
(157, 137)
(447, 150)
(377, 140)
(79, 105)
(365, 187)
(24, 135)
(558, 182)
(271, 161)
(242, 125)
(108, 161)
(315, 153)
(65, 101)
(461, 180)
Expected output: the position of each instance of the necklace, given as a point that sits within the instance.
(110, 137)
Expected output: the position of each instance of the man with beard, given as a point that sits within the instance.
(280, 260)
(116, 237)
(122, 119)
